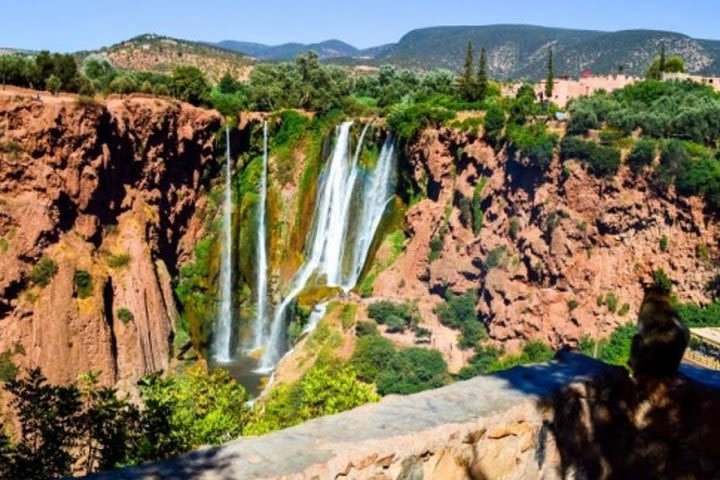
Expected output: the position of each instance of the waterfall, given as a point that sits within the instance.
(223, 331)
(262, 261)
(343, 184)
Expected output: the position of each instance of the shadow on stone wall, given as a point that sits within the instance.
(613, 426)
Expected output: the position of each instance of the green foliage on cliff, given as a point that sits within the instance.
(459, 312)
(532, 143)
(600, 160)
(406, 121)
(323, 390)
(82, 280)
(413, 370)
(396, 316)
(43, 271)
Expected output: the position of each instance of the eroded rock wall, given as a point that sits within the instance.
(112, 189)
(567, 238)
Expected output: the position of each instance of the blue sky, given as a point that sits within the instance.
(68, 25)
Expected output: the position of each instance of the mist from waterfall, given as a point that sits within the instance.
(222, 350)
(262, 260)
(350, 205)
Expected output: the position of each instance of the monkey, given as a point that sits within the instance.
(658, 346)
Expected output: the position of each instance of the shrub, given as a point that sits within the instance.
(673, 158)
(695, 316)
(662, 280)
(624, 309)
(43, 271)
(4, 245)
(408, 121)
(600, 161)
(459, 312)
(119, 260)
(371, 357)
(478, 216)
(494, 124)
(125, 315)
(481, 363)
(572, 304)
(514, 228)
(83, 283)
(582, 120)
(413, 370)
(397, 316)
(495, 258)
(8, 369)
(611, 301)
(641, 155)
(533, 143)
(364, 328)
(664, 243)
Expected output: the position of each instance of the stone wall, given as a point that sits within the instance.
(572, 418)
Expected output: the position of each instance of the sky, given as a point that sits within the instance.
(70, 25)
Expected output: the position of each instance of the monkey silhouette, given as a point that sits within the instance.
(662, 337)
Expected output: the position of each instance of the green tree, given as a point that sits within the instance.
(482, 76)
(123, 84)
(228, 84)
(673, 64)
(49, 417)
(53, 84)
(466, 82)
(189, 85)
(550, 80)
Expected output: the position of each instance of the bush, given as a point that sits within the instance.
(125, 315)
(43, 271)
(673, 158)
(408, 121)
(371, 357)
(119, 260)
(82, 281)
(494, 124)
(188, 83)
(481, 363)
(363, 328)
(662, 280)
(413, 370)
(514, 228)
(582, 120)
(641, 155)
(532, 143)
(8, 369)
(495, 258)
(695, 316)
(396, 316)
(664, 243)
(459, 312)
(700, 177)
(600, 161)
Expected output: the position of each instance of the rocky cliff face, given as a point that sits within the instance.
(553, 245)
(112, 190)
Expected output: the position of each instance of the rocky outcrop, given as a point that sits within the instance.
(572, 418)
(553, 245)
(110, 189)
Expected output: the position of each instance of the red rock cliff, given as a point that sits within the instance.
(110, 189)
(566, 238)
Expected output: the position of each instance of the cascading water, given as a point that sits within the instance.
(221, 340)
(262, 262)
(339, 230)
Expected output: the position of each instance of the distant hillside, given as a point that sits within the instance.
(514, 51)
(520, 51)
(325, 50)
(162, 54)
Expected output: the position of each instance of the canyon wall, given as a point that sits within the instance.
(552, 246)
(113, 190)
